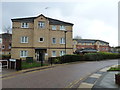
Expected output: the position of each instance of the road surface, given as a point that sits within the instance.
(64, 76)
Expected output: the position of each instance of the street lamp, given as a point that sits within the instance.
(65, 40)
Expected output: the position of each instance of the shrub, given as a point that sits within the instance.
(5, 56)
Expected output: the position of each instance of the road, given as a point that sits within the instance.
(64, 76)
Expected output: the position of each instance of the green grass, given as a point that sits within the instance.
(115, 68)
(26, 65)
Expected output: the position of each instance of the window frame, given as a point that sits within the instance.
(62, 40)
(41, 24)
(54, 53)
(24, 25)
(61, 27)
(23, 53)
(2, 46)
(53, 42)
(24, 39)
(54, 27)
(42, 38)
(62, 53)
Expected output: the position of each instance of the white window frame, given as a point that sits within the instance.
(41, 24)
(62, 27)
(2, 46)
(0, 40)
(24, 39)
(54, 27)
(9, 46)
(53, 41)
(62, 53)
(62, 40)
(53, 53)
(42, 38)
(24, 25)
(23, 53)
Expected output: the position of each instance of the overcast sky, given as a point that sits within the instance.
(92, 19)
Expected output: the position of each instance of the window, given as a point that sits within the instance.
(53, 27)
(62, 40)
(0, 40)
(9, 46)
(62, 53)
(54, 40)
(41, 24)
(83, 43)
(24, 25)
(23, 53)
(3, 46)
(41, 39)
(62, 27)
(53, 53)
(24, 39)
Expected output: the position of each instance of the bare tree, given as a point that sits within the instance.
(7, 29)
(77, 37)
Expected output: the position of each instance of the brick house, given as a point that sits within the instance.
(91, 43)
(40, 37)
(5, 43)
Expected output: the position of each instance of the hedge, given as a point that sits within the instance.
(85, 57)
(5, 56)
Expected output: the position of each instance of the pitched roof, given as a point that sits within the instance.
(51, 21)
(89, 41)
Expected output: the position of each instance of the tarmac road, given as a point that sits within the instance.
(64, 76)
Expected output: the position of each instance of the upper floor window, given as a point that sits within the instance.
(54, 40)
(24, 39)
(41, 39)
(3, 46)
(62, 40)
(62, 27)
(41, 24)
(24, 25)
(23, 53)
(9, 46)
(53, 27)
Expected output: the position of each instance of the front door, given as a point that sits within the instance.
(40, 55)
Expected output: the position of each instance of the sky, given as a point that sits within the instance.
(92, 19)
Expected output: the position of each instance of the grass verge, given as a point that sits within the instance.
(26, 65)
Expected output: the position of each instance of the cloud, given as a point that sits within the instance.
(95, 19)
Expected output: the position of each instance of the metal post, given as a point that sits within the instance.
(65, 41)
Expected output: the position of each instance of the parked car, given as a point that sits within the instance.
(86, 50)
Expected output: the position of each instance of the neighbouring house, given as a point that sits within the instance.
(115, 49)
(99, 45)
(40, 37)
(5, 43)
(118, 49)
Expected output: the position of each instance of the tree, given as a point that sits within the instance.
(7, 29)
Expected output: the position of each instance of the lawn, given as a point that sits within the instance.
(26, 65)
(115, 68)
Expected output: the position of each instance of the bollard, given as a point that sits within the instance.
(18, 64)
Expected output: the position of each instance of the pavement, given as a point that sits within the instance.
(102, 79)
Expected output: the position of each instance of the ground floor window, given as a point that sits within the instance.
(62, 53)
(53, 53)
(23, 53)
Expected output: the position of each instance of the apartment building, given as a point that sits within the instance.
(5, 43)
(40, 37)
(91, 43)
